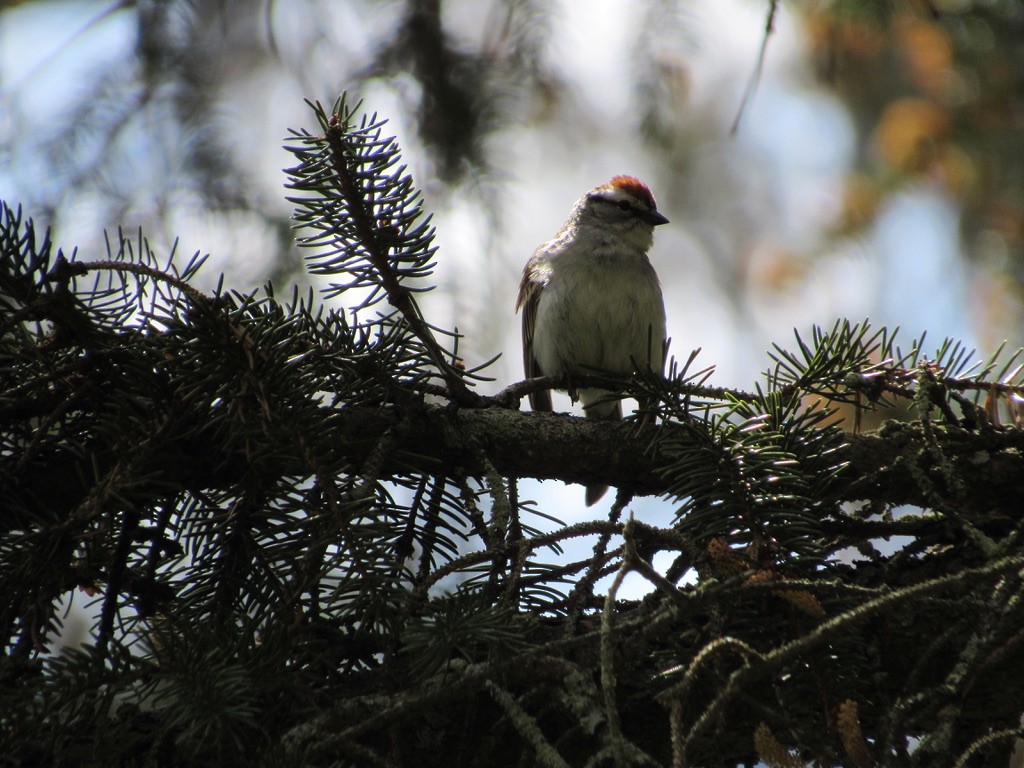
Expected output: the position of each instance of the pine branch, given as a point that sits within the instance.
(373, 240)
(369, 216)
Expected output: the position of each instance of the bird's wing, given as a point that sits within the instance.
(529, 297)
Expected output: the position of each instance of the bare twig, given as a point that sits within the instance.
(755, 77)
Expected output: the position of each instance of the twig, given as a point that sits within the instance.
(584, 589)
(608, 684)
(587, 528)
(526, 725)
(198, 297)
(755, 77)
(511, 395)
(984, 741)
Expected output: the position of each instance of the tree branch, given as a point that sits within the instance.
(896, 463)
(372, 237)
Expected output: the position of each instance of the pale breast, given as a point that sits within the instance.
(598, 314)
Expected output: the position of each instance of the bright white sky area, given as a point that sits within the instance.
(758, 206)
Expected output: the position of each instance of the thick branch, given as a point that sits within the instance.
(899, 464)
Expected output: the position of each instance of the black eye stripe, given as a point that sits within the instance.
(622, 205)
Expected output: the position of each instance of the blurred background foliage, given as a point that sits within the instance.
(936, 92)
(877, 169)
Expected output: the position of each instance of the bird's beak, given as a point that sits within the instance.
(654, 218)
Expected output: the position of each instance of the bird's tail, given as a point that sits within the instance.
(604, 410)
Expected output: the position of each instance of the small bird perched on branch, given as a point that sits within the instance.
(591, 298)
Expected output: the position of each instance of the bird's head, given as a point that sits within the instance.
(623, 206)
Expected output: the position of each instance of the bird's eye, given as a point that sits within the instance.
(624, 205)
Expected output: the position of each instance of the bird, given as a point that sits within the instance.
(591, 299)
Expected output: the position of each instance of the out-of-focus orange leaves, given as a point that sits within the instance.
(919, 114)
(928, 52)
(908, 133)
(938, 102)
(912, 137)
(861, 198)
(775, 269)
(1006, 217)
(957, 170)
(826, 33)
(997, 304)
